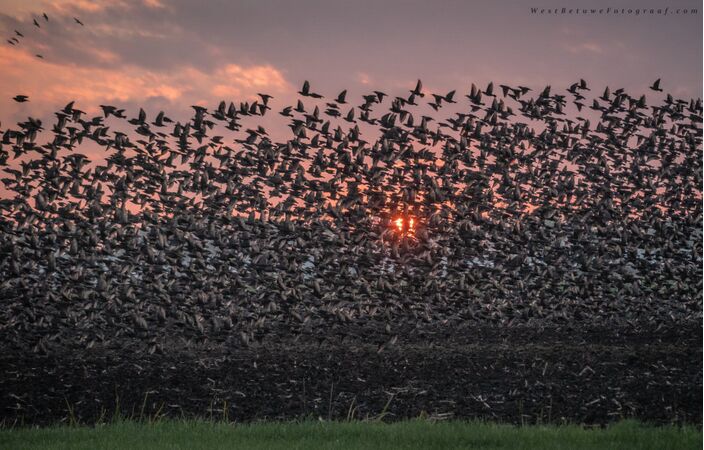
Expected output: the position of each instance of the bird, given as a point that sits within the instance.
(305, 91)
(656, 86)
(418, 90)
(112, 110)
(265, 98)
(20, 98)
(78, 21)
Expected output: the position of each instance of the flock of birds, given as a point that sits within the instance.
(512, 210)
(15, 38)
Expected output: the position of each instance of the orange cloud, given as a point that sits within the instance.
(22, 8)
(154, 4)
(90, 6)
(55, 83)
(364, 78)
(254, 76)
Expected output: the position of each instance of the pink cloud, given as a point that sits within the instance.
(265, 76)
(364, 78)
(69, 8)
(55, 83)
(90, 6)
(157, 4)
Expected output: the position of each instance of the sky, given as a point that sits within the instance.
(170, 54)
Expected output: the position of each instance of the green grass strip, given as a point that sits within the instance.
(416, 434)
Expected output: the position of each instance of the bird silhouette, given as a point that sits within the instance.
(656, 86)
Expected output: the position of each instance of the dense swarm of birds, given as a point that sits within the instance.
(514, 210)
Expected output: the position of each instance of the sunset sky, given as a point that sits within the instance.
(170, 54)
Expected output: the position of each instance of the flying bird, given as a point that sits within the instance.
(305, 91)
(418, 90)
(656, 86)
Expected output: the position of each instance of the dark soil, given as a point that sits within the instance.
(518, 375)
